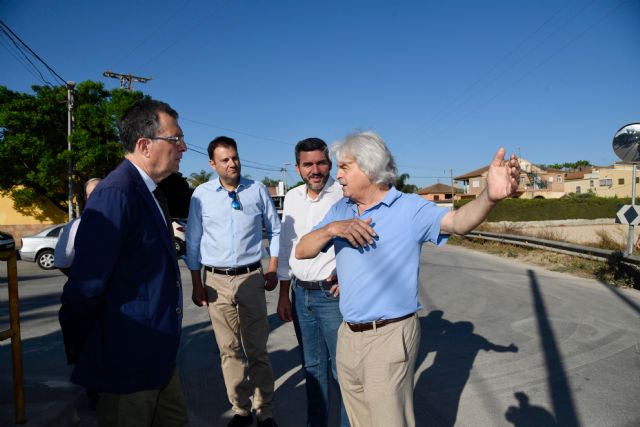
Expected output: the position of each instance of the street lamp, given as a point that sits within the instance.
(283, 172)
(70, 86)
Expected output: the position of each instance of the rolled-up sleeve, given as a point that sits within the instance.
(193, 233)
(271, 222)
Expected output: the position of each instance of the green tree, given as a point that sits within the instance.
(568, 166)
(33, 142)
(270, 182)
(401, 184)
(197, 178)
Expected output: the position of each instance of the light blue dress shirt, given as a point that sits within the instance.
(219, 236)
(381, 281)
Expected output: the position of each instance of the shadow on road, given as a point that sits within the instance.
(557, 382)
(203, 383)
(527, 415)
(438, 390)
(3, 278)
(623, 297)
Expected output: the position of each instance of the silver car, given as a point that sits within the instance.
(40, 247)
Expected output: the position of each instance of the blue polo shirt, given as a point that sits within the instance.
(381, 281)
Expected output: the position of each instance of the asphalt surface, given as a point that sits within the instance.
(503, 344)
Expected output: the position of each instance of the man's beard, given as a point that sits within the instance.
(319, 186)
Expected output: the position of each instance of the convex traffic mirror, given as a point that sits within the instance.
(626, 143)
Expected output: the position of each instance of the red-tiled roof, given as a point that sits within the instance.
(439, 189)
(477, 172)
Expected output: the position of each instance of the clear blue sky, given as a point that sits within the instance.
(444, 83)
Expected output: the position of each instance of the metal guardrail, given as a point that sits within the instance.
(13, 333)
(551, 245)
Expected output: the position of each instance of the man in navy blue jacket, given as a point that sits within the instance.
(121, 312)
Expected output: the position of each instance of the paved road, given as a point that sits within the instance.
(502, 344)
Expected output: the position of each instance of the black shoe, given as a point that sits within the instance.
(241, 421)
(267, 423)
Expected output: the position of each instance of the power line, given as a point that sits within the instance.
(463, 98)
(35, 55)
(273, 167)
(24, 63)
(182, 36)
(540, 64)
(238, 132)
(26, 58)
(163, 25)
(242, 161)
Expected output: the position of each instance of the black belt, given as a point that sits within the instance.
(234, 271)
(315, 285)
(361, 327)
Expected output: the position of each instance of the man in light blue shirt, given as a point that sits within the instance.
(224, 234)
(377, 233)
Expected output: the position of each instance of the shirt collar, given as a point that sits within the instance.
(218, 186)
(328, 188)
(146, 178)
(392, 195)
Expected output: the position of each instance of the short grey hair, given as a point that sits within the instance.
(371, 155)
(90, 181)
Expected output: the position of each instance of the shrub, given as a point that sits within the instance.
(572, 207)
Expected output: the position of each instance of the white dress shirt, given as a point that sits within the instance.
(151, 185)
(65, 248)
(300, 214)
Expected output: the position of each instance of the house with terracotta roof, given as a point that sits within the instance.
(603, 181)
(442, 194)
(534, 181)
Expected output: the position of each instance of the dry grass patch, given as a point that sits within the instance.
(605, 241)
(577, 266)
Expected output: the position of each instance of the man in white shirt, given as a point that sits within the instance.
(65, 248)
(314, 307)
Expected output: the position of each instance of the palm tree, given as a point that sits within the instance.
(402, 185)
(198, 178)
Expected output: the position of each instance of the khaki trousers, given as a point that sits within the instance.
(238, 312)
(375, 373)
(149, 408)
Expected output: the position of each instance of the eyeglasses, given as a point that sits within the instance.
(175, 140)
(235, 202)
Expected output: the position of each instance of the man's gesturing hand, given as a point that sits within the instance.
(358, 232)
(502, 177)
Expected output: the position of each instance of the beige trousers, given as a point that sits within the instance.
(238, 312)
(375, 373)
(148, 408)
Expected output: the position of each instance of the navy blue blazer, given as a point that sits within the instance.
(121, 312)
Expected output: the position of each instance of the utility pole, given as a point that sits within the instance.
(283, 177)
(453, 190)
(126, 80)
(70, 86)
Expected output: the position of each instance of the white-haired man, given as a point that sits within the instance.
(377, 233)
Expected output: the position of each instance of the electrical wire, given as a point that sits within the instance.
(242, 161)
(182, 36)
(26, 58)
(237, 131)
(35, 55)
(464, 97)
(22, 62)
(163, 25)
(535, 68)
